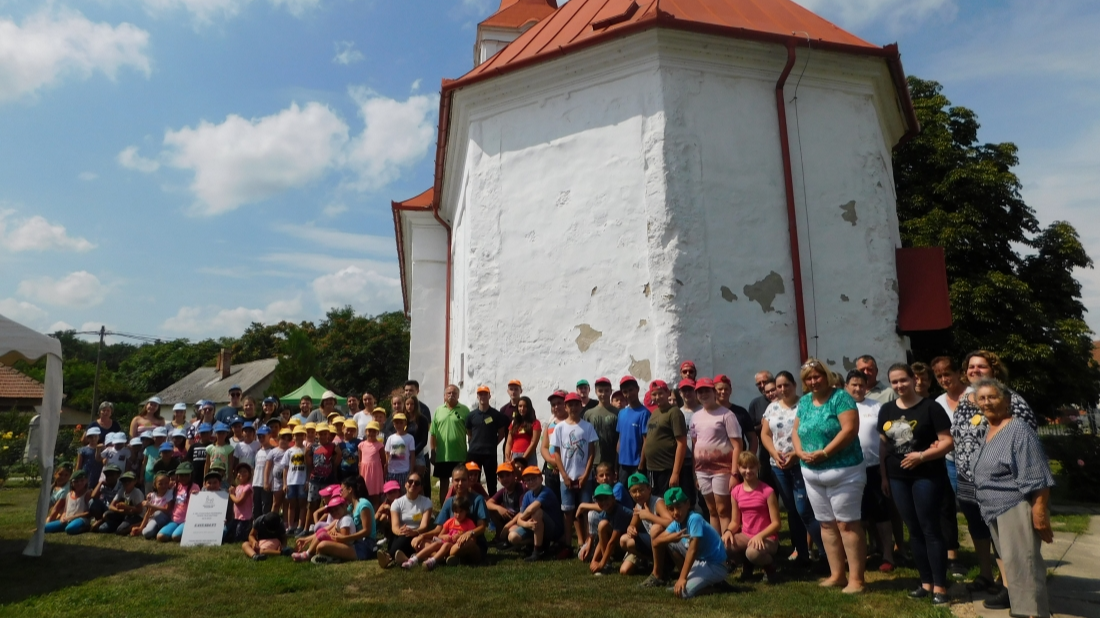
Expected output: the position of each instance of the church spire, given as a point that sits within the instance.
(513, 18)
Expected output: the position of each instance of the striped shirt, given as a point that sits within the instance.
(1010, 468)
(968, 429)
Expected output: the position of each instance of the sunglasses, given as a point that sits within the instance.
(413, 482)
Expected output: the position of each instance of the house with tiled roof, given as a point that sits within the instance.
(22, 393)
(624, 184)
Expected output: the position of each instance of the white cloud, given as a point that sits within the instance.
(241, 161)
(416, 85)
(130, 159)
(37, 234)
(366, 290)
(321, 263)
(21, 311)
(346, 53)
(87, 176)
(59, 325)
(338, 239)
(214, 321)
(397, 134)
(49, 46)
(205, 11)
(78, 289)
(334, 209)
(895, 13)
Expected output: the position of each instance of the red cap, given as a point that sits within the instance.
(656, 384)
(722, 378)
(572, 397)
(687, 364)
(686, 383)
(600, 381)
(626, 380)
(702, 383)
(557, 393)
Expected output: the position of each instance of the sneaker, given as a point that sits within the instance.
(886, 567)
(259, 557)
(452, 561)
(920, 593)
(299, 556)
(607, 569)
(322, 559)
(981, 584)
(793, 556)
(534, 557)
(429, 564)
(939, 598)
(653, 582)
(287, 551)
(408, 564)
(400, 557)
(770, 576)
(998, 601)
(384, 559)
(956, 569)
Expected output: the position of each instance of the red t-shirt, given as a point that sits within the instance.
(521, 437)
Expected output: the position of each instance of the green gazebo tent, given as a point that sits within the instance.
(314, 389)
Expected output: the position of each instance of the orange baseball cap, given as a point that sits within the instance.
(515, 383)
(483, 389)
(473, 467)
(529, 470)
(505, 467)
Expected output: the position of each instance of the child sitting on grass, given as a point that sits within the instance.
(605, 475)
(695, 547)
(539, 521)
(181, 497)
(267, 538)
(391, 491)
(504, 505)
(71, 515)
(445, 546)
(158, 508)
(614, 519)
(651, 517)
(753, 532)
(341, 525)
(125, 510)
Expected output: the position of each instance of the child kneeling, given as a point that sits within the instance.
(446, 546)
(752, 536)
(693, 545)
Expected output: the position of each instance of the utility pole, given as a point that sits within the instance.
(95, 384)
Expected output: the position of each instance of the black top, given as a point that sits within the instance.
(909, 431)
(113, 428)
(484, 428)
(745, 420)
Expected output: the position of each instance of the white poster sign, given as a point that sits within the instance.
(205, 519)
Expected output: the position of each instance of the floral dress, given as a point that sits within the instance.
(968, 429)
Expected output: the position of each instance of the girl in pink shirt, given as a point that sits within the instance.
(372, 463)
(241, 497)
(753, 532)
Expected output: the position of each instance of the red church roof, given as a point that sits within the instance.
(581, 23)
(518, 13)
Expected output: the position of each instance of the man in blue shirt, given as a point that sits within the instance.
(695, 547)
(539, 522)
(632, 427)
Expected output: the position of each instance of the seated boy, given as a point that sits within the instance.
(268, 537)
(504, 505)
(125, 509)
(104, 494)
(650, 519)
(696, 549)
(539, 521)
(606, 474)
(613, 520)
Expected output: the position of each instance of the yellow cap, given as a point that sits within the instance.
(378, 409)
(334, 413)
(311, 425)
(299, 430)
(324, 427)
(285, 432)
(294, 422)
(374, 425)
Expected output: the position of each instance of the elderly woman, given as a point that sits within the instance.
(826, 441)
(104, 421)
(1013, 482)
(968, 429)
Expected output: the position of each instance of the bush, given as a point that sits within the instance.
(13, 442)
(1079, 456)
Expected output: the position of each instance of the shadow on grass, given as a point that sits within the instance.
(61, 566)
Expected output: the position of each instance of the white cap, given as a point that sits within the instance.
(328, 395)
(118, 438)
(155, 400)
(93, 431)
(135, 442)
(179, 433)
(160, 432)
(146, 434)
(180, 406)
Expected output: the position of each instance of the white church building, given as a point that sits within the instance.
(621, 185)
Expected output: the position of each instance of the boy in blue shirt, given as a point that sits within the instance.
(695, 547)
(632, 428)
(613, 520)
(539, 522)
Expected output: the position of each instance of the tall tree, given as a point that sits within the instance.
(364, 354)
(962, 195)
(298, 362)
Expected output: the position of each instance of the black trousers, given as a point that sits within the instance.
(488, 465)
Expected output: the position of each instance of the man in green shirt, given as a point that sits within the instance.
(447, 438)
(605, 419)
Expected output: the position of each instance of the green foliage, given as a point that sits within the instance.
(362, 354)
(156, 366)
(297, 363)
(1079, 456)
(962, 195)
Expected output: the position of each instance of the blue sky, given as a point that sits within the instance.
(181, 168)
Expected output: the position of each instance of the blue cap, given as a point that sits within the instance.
(271, 400)
(219, 426)
(205, 427)
(236, 420)
(247, 424)
(167, 446)
(263, 430)
(235, 387)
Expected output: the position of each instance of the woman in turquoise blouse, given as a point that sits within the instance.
(826, 440)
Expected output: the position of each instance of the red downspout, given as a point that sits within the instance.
(447, 326)
(788, 185)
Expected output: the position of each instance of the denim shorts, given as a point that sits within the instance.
(571, 498)
(295, 492)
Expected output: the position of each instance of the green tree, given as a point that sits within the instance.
(156, 366)
(364, 354)
(962, 195)
(298, 361)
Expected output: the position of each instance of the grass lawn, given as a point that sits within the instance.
(105, 575)
(1066, 522)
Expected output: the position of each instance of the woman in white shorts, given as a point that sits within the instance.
(716, 439)
(826, 440)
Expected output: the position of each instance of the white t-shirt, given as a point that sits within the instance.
(361, 419)
(259, 479)
(346, 522)
(295, 463)
(869, 438)
(942, 400)
(245, 452)
(410, 512)
(572, 443)
(688, 413)
(113, 457)
(399, 449)
(277, 457)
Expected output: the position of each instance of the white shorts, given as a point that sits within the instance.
(836, 494)
(716, 484)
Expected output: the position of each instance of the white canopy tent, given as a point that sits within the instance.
(17, 342)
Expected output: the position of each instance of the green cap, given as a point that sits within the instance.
(217, 471)
(79, 474)
(128, 476)
(112, 468)
(582, 382)
(603, 490)
(637, 479)
(675, 495)
(184, 468)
